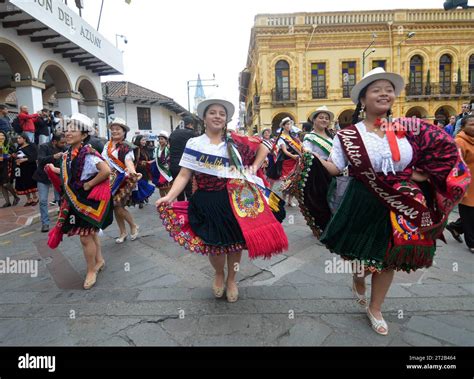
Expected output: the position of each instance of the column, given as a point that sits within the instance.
(95, 109)
(29, 93)
(68, 102)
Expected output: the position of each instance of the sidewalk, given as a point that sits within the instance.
(16, 218)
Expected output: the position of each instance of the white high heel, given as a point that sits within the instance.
(121, 239)
(134, 236)
(377, 324)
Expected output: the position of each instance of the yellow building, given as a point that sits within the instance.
(300, 61)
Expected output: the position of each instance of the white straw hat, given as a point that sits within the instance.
(319, 110)
(229, 107)
(377, 74)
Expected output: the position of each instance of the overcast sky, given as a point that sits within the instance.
(170, 42)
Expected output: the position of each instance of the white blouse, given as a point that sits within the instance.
(378, 150)
(203, 144)
(130, 156)
(90, 166)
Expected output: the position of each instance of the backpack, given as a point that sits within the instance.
(16, 126)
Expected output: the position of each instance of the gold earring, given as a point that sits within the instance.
(362, 112)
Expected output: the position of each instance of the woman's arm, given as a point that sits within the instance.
(179, 184)
(103, 174)
(287, 153)
(331, 167)
(130, 166)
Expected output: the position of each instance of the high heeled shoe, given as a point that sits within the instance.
(218, 291)
(88, 284)
(232, 296)
(376, 324)
(121, 239)
(360, 299)
(134, 236)
(102, 267)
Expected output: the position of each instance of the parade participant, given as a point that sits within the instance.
(142, 161)
(290, 150)
(6, 170)
(160, 167)
(465, 140)
(50, 152)
(227, 213)
(406, 177)
(271, 156)
(119, 155)
(177, 142)
(311, 183)
(86, 205)
(25, 161)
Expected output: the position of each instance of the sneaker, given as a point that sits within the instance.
(52, 203)
(450, 228)
(44, 228)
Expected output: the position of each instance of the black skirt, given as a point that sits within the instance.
(211, 218)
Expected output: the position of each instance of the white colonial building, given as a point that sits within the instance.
(145, 111)
(50, 57)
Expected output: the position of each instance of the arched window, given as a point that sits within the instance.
(282, 77)
(445, 71)
(471, 73)
(416, 75)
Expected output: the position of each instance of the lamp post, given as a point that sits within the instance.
(204, 85)
(399, 47)
(125, 40)
(364, 55)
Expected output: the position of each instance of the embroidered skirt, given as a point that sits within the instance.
(361, 230)
(123, 195)
(75, 225)
(310, 186)
(205, 224)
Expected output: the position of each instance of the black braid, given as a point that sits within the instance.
(355, 115)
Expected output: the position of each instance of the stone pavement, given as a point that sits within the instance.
(16, 218)
(154, 293)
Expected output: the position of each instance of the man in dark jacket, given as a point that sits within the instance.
(43, 127)
(50, 152)
(5, 124)
(177, 141)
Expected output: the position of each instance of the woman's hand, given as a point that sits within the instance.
(53, 168)
(86, 186)
(164, 201)
(418, 176)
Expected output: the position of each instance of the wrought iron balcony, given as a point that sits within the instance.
(440, 89)
(284, 96)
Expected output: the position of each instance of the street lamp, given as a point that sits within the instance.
(408, 36)
(204, 85)
(121, 36)
(364, 55)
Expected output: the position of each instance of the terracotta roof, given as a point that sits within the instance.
(135, 94)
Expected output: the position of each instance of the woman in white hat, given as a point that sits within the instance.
(290, 150)
(311, 181)
(118, 153)
(391, 214)
(86, 205)
(161, 165)
(228, 212)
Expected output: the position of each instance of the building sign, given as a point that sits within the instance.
(60, 18)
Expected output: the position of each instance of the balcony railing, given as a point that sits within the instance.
(284, 95)
(440, 89)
